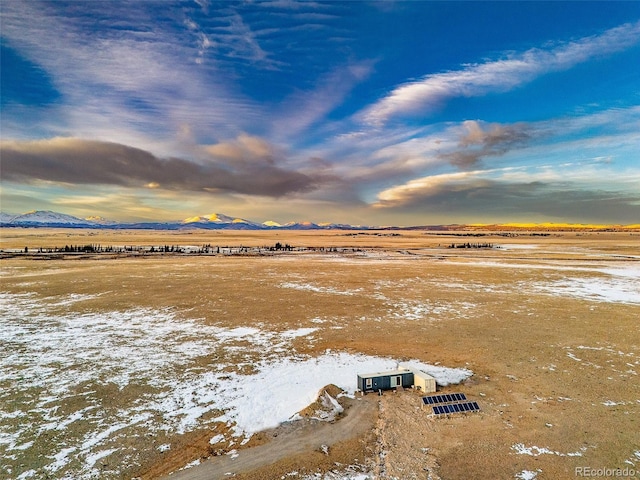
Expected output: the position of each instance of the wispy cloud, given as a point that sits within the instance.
(417, 190)
(291, 4)
(237, 40)
(135, 77)
(204, 4)
(149, 79)
(303, 109)
(430, 92)
(395, 153)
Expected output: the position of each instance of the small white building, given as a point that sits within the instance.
(422, 380)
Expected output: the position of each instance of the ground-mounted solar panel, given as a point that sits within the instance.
(443, 398)
(450, 408)
(471, 406)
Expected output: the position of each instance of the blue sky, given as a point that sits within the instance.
(373, 113)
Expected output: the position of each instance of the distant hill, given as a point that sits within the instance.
(220, 221)
(39, 218)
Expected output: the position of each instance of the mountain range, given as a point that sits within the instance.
(219, 221)
(214, 221)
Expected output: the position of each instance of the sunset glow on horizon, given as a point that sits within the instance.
(369, 113)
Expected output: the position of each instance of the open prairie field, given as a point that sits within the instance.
(242, 361)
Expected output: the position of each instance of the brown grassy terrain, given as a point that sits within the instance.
(551, 370)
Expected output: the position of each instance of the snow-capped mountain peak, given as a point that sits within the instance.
(213, 221)
(219, 218)
(100, 220)
(6, 217)
(271, 224)
(47, 217)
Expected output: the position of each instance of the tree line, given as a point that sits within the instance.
(176, 249)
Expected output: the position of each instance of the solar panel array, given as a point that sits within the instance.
(456, 408)
(444, 398)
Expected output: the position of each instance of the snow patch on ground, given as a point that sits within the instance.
(634, 458)
(623, 364)
(597, 289)
(317, 289)
(191, 464)
(294, 384)
(535, 451)
(420, 310)
(444, 375)
(300, 332)
(518, 246)
(331, 408)
(349, 473)
(61, 367)
(93, 458)
(527, 474)
(617, 283)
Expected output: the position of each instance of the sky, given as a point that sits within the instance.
(371, 113)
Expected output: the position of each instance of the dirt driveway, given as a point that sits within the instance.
(302, 437)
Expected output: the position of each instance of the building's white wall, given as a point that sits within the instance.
(424, 381)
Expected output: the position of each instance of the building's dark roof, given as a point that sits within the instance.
(401, 371)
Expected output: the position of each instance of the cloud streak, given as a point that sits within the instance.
(429, 93)
(513, 193)
(134, 78)
(493, 140)
(242, 167)
(473, 144)
(303, 109)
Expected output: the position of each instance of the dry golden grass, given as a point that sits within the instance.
(18, 238)
(407, 297)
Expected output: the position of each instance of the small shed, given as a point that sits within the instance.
(372, 382)
(423, 381)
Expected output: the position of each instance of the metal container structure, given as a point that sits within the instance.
(373, 382)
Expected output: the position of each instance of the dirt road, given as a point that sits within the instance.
(357, 420)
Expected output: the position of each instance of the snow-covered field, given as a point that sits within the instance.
(88, 381)
(83, 392)
(602, 284)
(618, 283)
